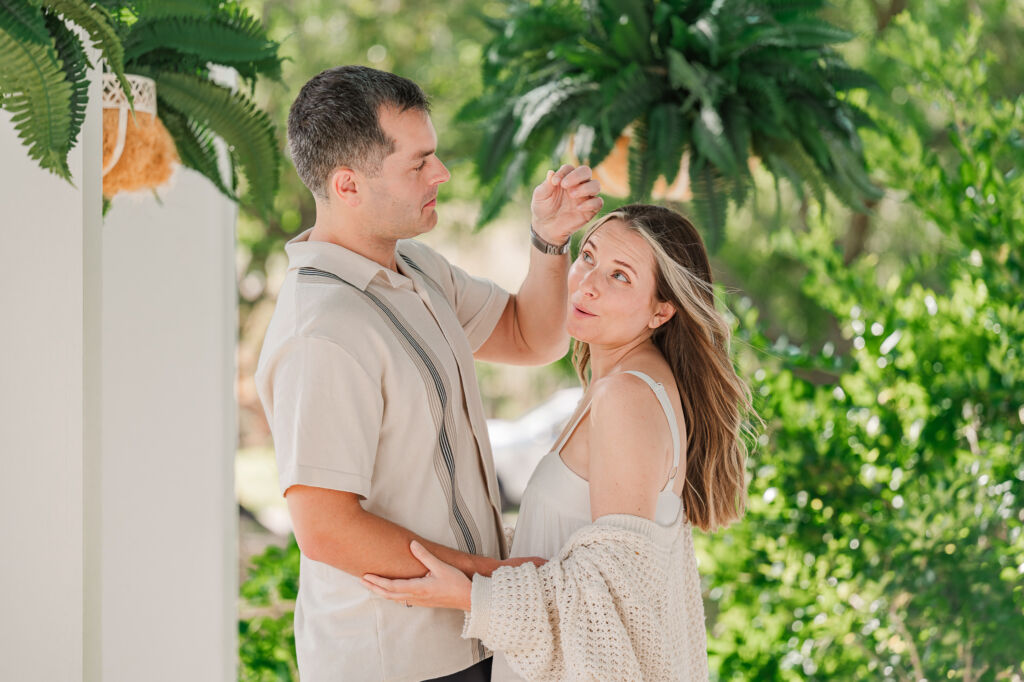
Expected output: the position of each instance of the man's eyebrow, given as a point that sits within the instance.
(424, 153)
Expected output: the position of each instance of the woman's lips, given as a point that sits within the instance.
(581, 312)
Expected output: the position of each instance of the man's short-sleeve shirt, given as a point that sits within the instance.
(368, 382)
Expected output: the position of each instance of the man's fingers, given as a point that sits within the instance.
(558, 176)
(576, 176)
(593, 204)
(590, 188)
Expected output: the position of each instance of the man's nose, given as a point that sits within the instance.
(443, 175)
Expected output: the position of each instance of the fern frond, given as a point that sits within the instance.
(39, 99)
(709, 137)
(533, 107)
(75, 64)
(641, 165)
(23, 21)
(710, 202)
(99, 24)
(152, 9)
(246, 129)
(196, 148)
(237, 42)
(667, 139)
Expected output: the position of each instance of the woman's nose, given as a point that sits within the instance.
(588, 284)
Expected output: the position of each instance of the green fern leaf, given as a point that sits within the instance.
(75, 64)
(246, 130)
(641, 175)
(709, 137)
(23, 21)
(533, 107)
(196, 148)
(99, 24)
(215, 41)
(39, 99)
(152, 9)
(667, 140)
(710, 202)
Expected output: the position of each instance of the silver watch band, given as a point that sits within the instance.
(548, 247)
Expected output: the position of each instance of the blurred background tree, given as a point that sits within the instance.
(884, 539)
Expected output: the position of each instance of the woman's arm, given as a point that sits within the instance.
(444, 586)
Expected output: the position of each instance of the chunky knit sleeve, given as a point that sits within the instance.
(565, 620)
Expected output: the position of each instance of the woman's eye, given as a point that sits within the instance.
(586, 257)
(621, 275)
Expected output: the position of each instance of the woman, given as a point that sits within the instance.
(655, 447)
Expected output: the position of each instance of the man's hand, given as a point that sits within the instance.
(564, 202)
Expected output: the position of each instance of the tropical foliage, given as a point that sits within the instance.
(886, 537)
(721, 80)
(43, 71)
(175, 43)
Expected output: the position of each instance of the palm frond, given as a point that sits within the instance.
(38, 96)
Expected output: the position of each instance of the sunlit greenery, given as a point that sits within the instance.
(884, 539)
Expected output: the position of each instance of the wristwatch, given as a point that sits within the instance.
(548, 247)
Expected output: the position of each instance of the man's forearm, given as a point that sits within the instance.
(333, 528)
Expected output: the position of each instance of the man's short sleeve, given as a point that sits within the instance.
(479, 304)
(325, 415)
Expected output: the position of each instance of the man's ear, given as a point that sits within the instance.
(343, 185)
(663, 312)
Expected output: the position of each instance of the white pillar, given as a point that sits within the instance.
(117, 426)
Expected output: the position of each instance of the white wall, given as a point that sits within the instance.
(43, 232)
(169, 430)
(117, 426)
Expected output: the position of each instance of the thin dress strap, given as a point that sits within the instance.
(568, 432)
(670, 414)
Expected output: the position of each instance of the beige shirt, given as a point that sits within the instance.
(368, 382)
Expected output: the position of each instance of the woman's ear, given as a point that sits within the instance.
(663, 312)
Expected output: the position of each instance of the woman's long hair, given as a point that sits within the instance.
(695, 342)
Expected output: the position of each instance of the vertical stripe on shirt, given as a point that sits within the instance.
(464, 528)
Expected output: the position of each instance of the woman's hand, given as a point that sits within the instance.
(444, 586)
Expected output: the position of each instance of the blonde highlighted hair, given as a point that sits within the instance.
(695, 342)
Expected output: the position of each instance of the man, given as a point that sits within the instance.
(367, 377)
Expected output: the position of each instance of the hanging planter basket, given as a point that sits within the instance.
(138, 152)
(613, 173)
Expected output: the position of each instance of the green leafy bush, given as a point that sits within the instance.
(266, 636)
(885, 535)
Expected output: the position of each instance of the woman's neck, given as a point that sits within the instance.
(605, 360)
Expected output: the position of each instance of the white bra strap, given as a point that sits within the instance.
(670, 414)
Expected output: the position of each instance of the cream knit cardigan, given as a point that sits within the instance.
(621, 601)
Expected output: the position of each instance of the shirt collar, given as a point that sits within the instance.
(355, 269)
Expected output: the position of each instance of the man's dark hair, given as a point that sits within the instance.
(335, 121)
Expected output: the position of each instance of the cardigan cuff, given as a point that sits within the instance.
(479, 615)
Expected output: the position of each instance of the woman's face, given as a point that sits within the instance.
(612, 288)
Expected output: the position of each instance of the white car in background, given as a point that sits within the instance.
(520, 444)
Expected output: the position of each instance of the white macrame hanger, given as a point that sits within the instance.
(144, 97)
